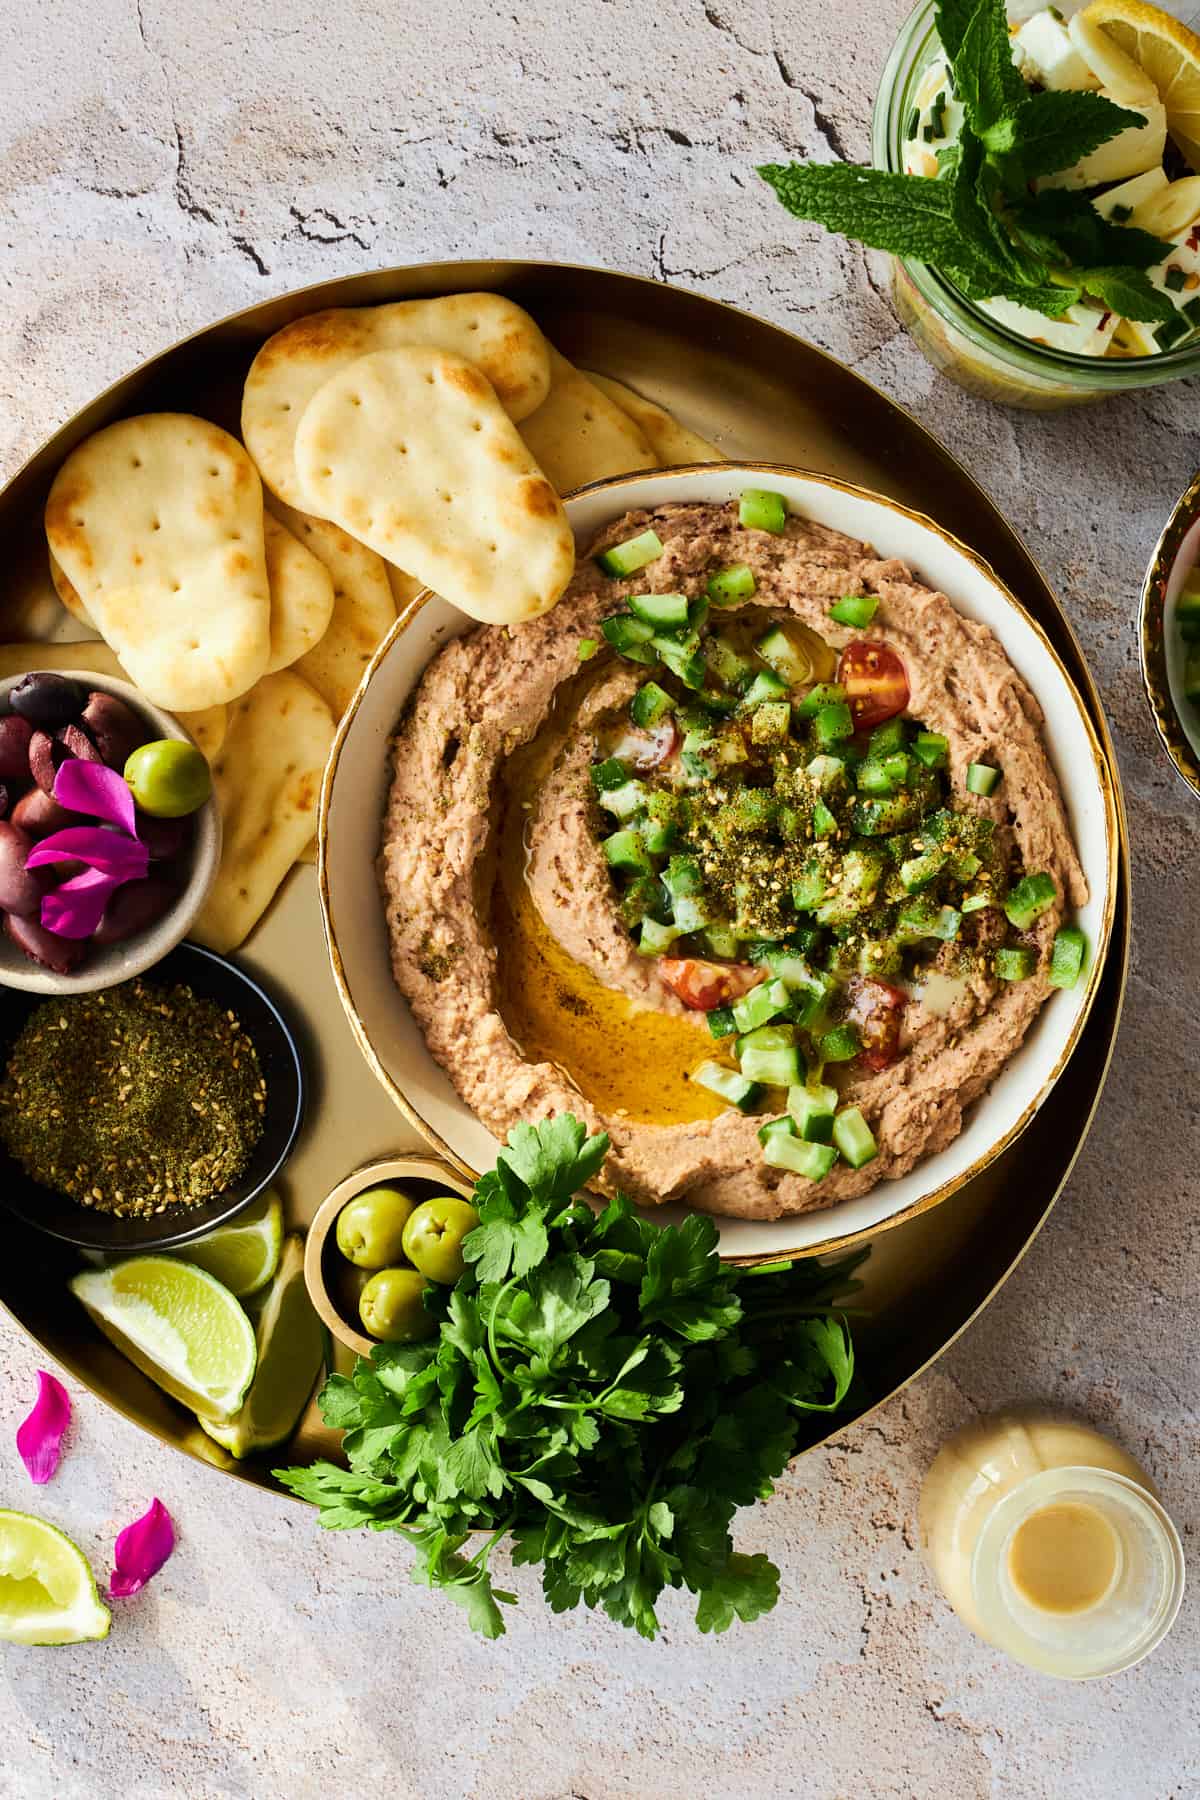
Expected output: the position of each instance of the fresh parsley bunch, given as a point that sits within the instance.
(980, 221)
(602, 1391)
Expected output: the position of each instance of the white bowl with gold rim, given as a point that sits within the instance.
(354, 791)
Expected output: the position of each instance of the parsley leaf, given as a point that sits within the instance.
(602, 1393)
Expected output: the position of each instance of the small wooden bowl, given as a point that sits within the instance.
(321, 1254)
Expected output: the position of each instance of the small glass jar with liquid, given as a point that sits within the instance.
(1050, 1542)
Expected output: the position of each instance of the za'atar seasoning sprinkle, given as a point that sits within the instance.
(133, 1099)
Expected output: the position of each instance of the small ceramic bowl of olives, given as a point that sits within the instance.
(382, 1237)
(85, 902)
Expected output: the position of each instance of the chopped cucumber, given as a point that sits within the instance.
(611, 773)
(727, 587)
(872, 776)
(880, 818)
(854, 1137)
(832, 724)
(1066, 958)
(650, 704)
(727, 662)
(888, 738)
(720, 1022)
(919, 871)
(761, 510)
(826, 772)
(813, 1108)
(664, 611)
(761, 1005)
(683, 876)
(977, 902)
(624, 801)
(628, 636)
(919, 919)
(767, 1037)
(770, 723)
(1014, 962)
(632, 555)
(855, 610)
(625, 850)
(775, 1127)
(722, 940)
(824, 823)
(776, 1068)
(808, 889)
(826, 693)
(656, 939)
(642, 899)
(728, 1084)
(853, 888)
(982, 778)
(813, 1161)
(690, 912)
(750, 810)
(765, 689)
(840, 1044)
(1029, 899)
(931, 748)
(682, 658)
(786, 658)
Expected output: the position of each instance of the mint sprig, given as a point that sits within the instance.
(978, 220)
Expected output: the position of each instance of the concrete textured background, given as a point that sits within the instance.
(162, 164)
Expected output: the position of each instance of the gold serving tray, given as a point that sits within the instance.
(759, 393)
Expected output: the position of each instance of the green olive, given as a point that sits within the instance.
(391, 1308)
(434, 1234)
(346, 1286)
(168, 778)
(370, 1228)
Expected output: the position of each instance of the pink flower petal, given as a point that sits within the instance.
(141, 1550)
(111, 851)
(96, 789)
(40, 1436)
(76, 907)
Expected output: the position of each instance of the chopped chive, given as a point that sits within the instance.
(1175, 278)
(1192, 310)
(914, 123)
(1171, 332)
(1120, 214)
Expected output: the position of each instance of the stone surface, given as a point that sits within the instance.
(161, 165)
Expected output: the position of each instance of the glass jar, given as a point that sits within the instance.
(957, 338)
(1049, 1541)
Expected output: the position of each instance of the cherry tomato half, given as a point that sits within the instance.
(704, 985)
(877, 1008)
(875, 680)
(646, 749)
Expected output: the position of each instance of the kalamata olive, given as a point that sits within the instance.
(20, 890)
(58, 954)
(47, 699)
(15, 734)
(6, 799)
(76, 742)
(133, 908)
(43, 765)
(113, 727)
(39, 813)
(162, 837)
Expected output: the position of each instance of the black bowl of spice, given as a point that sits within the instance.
(143, 1115)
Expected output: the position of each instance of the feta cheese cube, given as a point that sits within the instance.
(1047, 55)
(1082, 329)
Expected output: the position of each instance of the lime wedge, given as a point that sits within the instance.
(47, 1591)
(179, 1325)
(244, 1255)
(291, 1349)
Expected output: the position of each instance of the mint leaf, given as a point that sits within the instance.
(974, 187)
(1056, 129)
(1064, 226)
(1051, 299)
(953, 18)
(910, 215)
(1129, 293)
(745, 1588)
(986, 78)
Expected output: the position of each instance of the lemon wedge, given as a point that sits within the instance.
(1168, 53)
(47, 1590)
(243, 1255)
(291, 1349)
(179, 1325)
